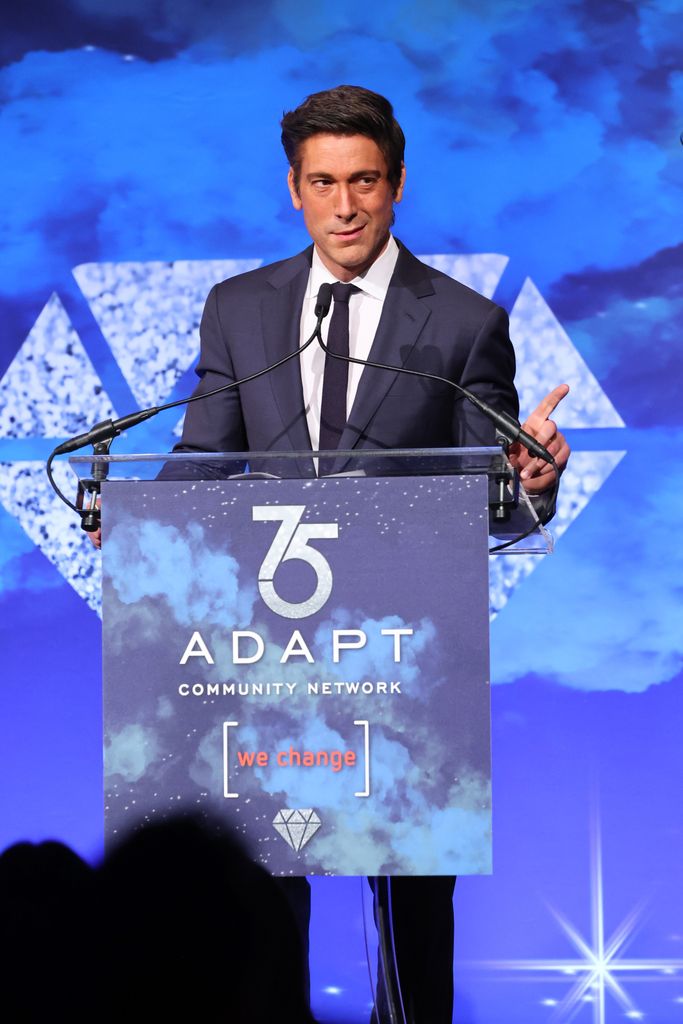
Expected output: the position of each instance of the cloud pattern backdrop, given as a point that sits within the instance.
(428, 806)
(547, 133)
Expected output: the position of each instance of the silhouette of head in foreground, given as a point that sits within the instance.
(178, 920)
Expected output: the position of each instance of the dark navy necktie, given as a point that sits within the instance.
(336, 375)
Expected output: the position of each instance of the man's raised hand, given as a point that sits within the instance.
(535, 474)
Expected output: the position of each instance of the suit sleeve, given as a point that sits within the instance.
(214, 424)
(489, 372)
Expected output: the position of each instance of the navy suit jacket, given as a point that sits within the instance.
(429, 322)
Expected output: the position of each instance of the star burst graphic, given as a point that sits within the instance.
(600, 970)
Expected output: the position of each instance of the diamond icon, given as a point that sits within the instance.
(296, 826)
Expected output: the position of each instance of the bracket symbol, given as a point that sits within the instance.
(363, 723)
(366, 753)
(226, 762)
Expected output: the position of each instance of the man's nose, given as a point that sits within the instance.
(345, 206)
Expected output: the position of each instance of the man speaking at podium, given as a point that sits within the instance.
(345, 151)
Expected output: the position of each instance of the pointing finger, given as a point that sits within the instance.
(547, 406)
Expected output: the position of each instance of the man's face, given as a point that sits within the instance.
(347, 200)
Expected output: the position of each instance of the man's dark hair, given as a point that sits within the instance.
(345, 110)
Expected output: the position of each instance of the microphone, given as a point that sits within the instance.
(323, 303)
(508, 426)
(106, 430)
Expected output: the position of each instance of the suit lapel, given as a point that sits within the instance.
(281, 324)
(403, 318)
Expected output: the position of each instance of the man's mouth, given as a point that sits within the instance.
(350, 234)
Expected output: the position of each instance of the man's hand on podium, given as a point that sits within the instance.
(96, 536)
(535, 474)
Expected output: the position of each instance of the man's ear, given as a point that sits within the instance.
(293, 190)
(398, 194)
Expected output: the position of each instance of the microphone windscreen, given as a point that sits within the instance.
(324, 301)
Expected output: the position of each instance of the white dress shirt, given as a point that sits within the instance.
(365, 309)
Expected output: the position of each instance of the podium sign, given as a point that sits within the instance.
(307, 662)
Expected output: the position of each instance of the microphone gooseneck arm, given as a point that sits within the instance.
(509, 427)
(103, 433)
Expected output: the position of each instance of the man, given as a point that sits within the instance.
(345, 151)
(346, 172)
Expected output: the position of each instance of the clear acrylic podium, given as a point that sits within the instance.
(304, 658)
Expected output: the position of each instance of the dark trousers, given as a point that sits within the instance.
(298, 893)
(422, 918)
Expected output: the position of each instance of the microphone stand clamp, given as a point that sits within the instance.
(89, 490)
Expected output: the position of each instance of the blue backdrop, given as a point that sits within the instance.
(141, 162)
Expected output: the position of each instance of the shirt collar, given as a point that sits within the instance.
(374, 282)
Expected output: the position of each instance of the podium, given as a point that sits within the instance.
(304, 659)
